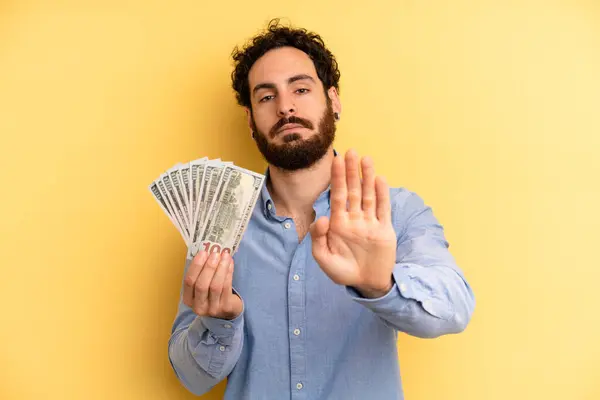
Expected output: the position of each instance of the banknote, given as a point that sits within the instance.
(165, 178)
(209, 201)
(230, 211)
(162, 196)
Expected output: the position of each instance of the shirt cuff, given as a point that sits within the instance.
(377, 302)
(411, 282)
(220, 329)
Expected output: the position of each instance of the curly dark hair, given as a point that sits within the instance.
(277, 35)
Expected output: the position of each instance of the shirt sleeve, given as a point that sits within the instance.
(204, 350)
(430, 296)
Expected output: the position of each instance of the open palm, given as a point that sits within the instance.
(356, 246)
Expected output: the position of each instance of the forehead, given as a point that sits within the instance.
(277, 65)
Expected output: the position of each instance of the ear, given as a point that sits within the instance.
(249, 118)
(335, 100)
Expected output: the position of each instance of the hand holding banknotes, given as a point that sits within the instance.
(210, 203)
(207, 288)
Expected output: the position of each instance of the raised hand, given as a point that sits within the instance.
(357, 245)
(207, 288)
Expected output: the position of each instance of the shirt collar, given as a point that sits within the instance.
(321, 204)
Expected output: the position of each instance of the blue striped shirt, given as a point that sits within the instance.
(300, 335)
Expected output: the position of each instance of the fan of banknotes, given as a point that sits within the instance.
(209, 201)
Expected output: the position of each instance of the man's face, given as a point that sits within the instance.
(291, 116)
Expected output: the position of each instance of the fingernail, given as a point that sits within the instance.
(201, 255)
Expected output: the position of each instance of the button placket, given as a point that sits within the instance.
(296, 320)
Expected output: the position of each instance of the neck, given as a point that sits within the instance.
(295, 192)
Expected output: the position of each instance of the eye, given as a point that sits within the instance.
(266, 98)
(302, 90)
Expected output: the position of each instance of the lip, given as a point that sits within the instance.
(288, 127)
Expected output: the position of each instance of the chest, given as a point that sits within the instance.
(280, 281)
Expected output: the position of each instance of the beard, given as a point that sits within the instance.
(297, 153)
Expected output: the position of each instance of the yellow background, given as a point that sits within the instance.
(489, 110)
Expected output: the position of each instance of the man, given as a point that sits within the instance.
(333, 263)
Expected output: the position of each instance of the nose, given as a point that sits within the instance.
(285, 107)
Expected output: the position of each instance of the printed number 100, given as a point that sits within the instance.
(215, 248)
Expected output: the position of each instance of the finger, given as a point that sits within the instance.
(227, 293)
(368, 187)
(189, 282)
(318, 233)
(319, 228)
(383, 200)
(338, 194)
(216, 285)
(353, 182)
(203, 282)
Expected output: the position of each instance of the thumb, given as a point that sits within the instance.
(318, 233)
(319, 228)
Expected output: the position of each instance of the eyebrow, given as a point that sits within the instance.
(290, 80)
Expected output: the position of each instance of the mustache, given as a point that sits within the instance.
(290, 120)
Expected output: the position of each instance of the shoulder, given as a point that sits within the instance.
(405, 201)
(409, 209)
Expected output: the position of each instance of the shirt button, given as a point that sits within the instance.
(287, 225)
(299, 385)
(269, 206)
(227, 326)
(222, 348)
(296, 277)
(403, 287)
(296, 332)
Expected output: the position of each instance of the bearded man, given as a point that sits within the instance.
(333, 264)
